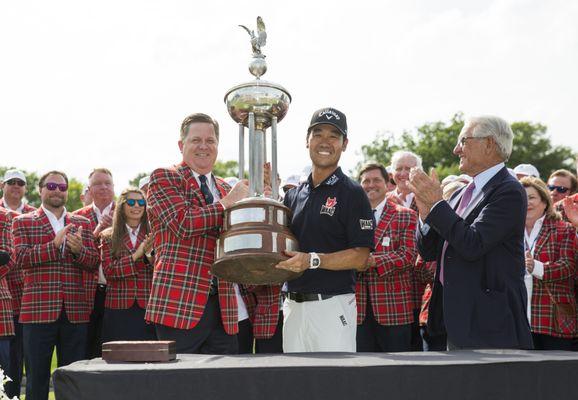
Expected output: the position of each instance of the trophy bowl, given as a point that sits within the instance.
(264, 99)
(254, 238)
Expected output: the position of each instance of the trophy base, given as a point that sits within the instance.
(253, 269)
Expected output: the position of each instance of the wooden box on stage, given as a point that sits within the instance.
(139, 351)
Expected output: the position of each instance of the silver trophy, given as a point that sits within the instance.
(255, 230)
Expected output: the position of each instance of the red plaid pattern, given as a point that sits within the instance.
(390, 283)
(6, 321)
(263, 304)
(90, 277)
(186, 231)
(127, 281)
(15, 277)
(555, 247)
(424, 274)
(52, 277)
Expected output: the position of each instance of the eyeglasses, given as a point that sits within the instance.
(462, 141)
(63, 187)
(559, 189)
(13, 182)
(133, 202)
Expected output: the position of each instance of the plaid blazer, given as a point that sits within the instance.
(185, 235)
(127, 281)
(554, 247)
(263, 304)
(424, 274)
(52, 277)
(6, 320)
(389, 283)
(15, 277)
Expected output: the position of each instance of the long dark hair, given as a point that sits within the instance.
(115, 234)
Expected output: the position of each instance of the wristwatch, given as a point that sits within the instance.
(314, 261)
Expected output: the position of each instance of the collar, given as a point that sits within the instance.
(196, 175)
(53, 217)
(481, 179)
(379, 209)
(18, 209)
(329, 181)
(104, 212)
(132, 231)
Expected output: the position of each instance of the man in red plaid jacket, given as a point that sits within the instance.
(52, 247)
(186, 204)
(384, 291)
(99, 213)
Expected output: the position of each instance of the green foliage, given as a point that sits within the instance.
(74, 191)
(435, 142)
(134, 181)
(224, 169)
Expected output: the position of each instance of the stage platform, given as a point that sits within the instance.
(463, 375)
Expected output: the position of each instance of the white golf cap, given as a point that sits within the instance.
(144, 181)
(14, 174)
(527, 169)
(291, 180)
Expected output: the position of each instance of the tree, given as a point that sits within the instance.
(435, 142)
(134, 181)
(224, 169)
(74, 191)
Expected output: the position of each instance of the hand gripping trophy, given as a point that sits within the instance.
(255, 230)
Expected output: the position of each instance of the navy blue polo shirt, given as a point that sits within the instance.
(334, 216)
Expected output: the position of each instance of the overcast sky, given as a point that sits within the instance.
(107, 83)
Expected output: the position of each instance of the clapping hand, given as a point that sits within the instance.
(529, 262)
(427, 190)
(571, 210)
(74, 241)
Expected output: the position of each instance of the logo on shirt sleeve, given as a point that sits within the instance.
(366, 224)
(329, 207)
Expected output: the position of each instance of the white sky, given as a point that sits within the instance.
(107, 83)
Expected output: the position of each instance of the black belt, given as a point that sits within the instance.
(302, 297)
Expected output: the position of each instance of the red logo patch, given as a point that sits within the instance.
(329, 207)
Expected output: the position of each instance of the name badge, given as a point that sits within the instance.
(385, 241)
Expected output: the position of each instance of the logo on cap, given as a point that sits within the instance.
(329, 113)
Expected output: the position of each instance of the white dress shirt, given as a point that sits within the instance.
(530, 240)
(211, 183)
(378, 211)
(241, 308)
(408, 199)
(133, 234)
(56, 223)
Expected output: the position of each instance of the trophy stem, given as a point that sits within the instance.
(241, 151)
(274, 183)
(256, 159)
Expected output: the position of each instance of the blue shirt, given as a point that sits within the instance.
(333, 216)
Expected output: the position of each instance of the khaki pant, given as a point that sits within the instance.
(320, 326)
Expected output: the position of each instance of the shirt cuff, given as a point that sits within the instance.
(538, 271)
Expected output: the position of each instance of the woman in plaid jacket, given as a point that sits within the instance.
(127, 266)
(550, 245)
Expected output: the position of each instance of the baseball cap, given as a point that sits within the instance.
(329, 116)
(14, 174)
(143, 181)
(528, 170)
(291, 180)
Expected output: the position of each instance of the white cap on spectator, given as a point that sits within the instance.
(527, 169)
(14, 174)
(143, 181)
(292, 180)
(449, 179)
(231, 180)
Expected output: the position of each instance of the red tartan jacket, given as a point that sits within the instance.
(185, 235)
(90, 277)
(52, 277)
(389, 283)
(418, 287)
(127, 281)
(15, 277)
(554, 247)
(6, 319)
(424, 273)
(263, 304)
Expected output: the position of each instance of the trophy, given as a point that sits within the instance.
(255, 230)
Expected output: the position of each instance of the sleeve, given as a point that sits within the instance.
(167, 203)
(563, 266)
(403, 257)
(358, 220)
(5, 245)
(89, 256)
(503, 213)
(116, 268)
(26, 253)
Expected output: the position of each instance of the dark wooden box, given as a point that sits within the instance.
(139, 351)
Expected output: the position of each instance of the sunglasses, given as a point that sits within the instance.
(13, 182)
(133, 202)
(63, 187)
(559, 189)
